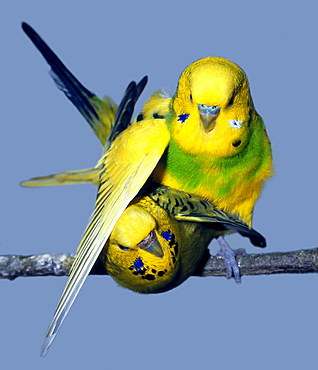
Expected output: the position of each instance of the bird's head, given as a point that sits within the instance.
(212, 108)
(157, 106)
(142, 251)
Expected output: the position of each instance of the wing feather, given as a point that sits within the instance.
(125, 168)
(188, 207)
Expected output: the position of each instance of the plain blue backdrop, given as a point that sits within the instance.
(267, 321)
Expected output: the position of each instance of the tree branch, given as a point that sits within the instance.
(296, 262)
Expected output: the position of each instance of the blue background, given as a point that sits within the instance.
(267, 321)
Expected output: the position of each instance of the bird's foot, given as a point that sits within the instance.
(229, 255)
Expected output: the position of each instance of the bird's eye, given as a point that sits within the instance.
(156, 115)
(140, 117)
(191, 98)
(122, 247)
(236, 143)
(149, 239)
(231, 102)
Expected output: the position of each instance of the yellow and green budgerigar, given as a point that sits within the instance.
(218, 147)
(123, 171)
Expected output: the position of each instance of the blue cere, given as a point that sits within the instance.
(167, 235)
(183, 117)
(208, 109)
(138, 264)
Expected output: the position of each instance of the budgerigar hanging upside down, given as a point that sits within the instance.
(206, 140)
(161, 237)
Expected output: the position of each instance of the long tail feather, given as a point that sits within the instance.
(90, 175)
(89, 105)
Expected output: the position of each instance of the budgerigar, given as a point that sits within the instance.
(206, 140)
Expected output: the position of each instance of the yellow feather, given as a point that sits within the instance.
(90, 175)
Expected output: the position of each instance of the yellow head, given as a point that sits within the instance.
(157, 106)
(212, 108)
(142, 253)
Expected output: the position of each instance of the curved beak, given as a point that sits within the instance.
(151, 244)
(208, 115)
(156, 249)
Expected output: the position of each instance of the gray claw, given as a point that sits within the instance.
(229, 255)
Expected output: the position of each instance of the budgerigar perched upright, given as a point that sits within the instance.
(218, 147)
(217, 136)
(207, 140)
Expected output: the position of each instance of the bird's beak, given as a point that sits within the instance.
(208, 115)
(151, 245)
(155, 248)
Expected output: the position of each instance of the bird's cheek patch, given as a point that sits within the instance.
(183, 117)
(173, 245)
(138, 264)
(167, 235)
(235, 123)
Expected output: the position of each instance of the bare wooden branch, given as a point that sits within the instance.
(13, 266)
(296, 262)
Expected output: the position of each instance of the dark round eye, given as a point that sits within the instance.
(139, 117)
(157, 115)
(231, 102)
(236, 143)
(149, 239)
(123, 248)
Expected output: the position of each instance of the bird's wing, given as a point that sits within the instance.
(125, 167)
(188, 207)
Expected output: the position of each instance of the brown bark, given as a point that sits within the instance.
(295, 262)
